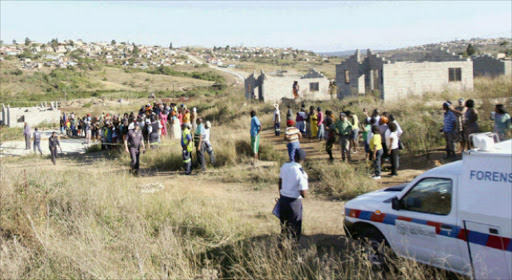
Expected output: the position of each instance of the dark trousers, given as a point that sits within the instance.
(291, 217)
(200, 157)
(385, 149)
(135, 157)
(394, 161)
(329, 145)
(378, 162)
(277, 128)
(37, 144)
(53, 151)
(450, 143)
(187, 161)
(27, 142)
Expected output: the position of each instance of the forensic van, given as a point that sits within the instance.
(456, 217)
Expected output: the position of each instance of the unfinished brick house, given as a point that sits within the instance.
(274, 87)
(399, 77)
(487, 65)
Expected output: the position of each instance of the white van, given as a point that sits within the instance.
(456, 217)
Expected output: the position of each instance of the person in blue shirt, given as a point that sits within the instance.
(449, 129)
(255, 135)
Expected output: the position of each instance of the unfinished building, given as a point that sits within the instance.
(396, 78)
(275, 86)
(16, 117)
(487, 65)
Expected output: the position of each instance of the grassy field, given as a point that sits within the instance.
(87, 217)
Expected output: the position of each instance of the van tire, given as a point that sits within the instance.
(375, 247)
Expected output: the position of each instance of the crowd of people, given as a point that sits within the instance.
(380, 134)
(461, 121)
(146, 128)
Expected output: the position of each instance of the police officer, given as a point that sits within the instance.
(154, 132)
(37, 141)
(53, 142)
(187, 145)
(135, 140)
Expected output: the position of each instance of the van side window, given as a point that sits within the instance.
(430, 195)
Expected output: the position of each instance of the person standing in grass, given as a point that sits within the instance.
(393, 150)
(187, 146)
(344, 130)
(313, 120)
(53, 143)
(460, 112)
(376, 147)
(502, 123)
(199, 143)
(292, 136)
(27, 134)
(320, 123)
(132, 144)
(354, 120)
(331, 137)
(449, 130)
(37, 141)
(255, 135)
(293, 187)
(276, 119)
(366, 133)
(470, 122)
(208, 144)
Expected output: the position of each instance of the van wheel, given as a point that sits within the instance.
(375, 247)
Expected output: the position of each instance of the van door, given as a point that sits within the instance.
(488, 251)
(426, 225)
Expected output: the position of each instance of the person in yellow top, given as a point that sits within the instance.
(314, 127)
(186, 117)
(376, 148)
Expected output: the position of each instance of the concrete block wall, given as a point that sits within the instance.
(404, 79)
(354, 87)
(276, 88)
(486, 65)
(16, 117)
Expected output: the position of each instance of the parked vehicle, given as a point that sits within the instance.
(456, 217)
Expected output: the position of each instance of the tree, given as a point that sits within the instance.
(113, 42)
(54, 43)
(27, 42)
(470, 50)
(170, 46)
(14, 42)
(1, 42)
(227, 48)
(136, 50)
(71, 43)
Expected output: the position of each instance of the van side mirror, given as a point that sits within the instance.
(395, 203)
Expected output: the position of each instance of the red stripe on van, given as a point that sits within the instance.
(435, 224)
(462, 234)
(497, 242)
(402, 218)
(377, 218)
(354, 213)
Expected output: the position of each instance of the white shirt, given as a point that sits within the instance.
(277, 115)
(206, 136)
(294, 179)
(399, 130)
(393, 145)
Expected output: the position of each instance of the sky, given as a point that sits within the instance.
(320, 26)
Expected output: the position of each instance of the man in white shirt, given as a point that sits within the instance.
(293, 186)
(391, 136)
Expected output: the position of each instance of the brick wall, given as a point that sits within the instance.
(402, 79)
(488, 66)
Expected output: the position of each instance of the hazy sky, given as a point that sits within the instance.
(318, 26)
